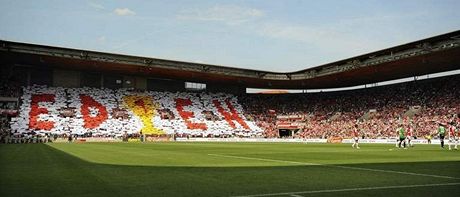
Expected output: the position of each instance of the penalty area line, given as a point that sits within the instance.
(348, 189)
(334, 166)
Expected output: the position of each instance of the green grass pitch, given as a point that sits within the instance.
(227, 169)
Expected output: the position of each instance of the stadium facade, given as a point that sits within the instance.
(71, 91)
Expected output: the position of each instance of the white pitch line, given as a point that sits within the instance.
(349, 189)
(270, 160)
(396, 172)
(336, 166)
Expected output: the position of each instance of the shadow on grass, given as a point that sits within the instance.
(40, 170)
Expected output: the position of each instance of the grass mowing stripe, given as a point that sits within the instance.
(336, 166)
(350, 189)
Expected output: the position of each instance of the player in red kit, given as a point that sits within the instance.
(452, 134)
(409, 135)
(355, 135)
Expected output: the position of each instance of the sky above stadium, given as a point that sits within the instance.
(281, 36)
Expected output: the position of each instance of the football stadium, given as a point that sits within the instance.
(84, 122)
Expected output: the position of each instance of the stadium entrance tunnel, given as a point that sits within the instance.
(283, 133)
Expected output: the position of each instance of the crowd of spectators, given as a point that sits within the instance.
(8, 136)
(376, 111)
(59, 110)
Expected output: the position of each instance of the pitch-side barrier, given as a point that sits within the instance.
(346, 141)
(250, 140)
(364, 141)
(390, 141)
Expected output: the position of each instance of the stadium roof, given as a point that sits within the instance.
(431, 55)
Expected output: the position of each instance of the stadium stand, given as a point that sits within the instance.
(377, 111)
(106, 112)
(148, 95)
(48, 111)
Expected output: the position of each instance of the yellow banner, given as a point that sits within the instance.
(145, 109)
